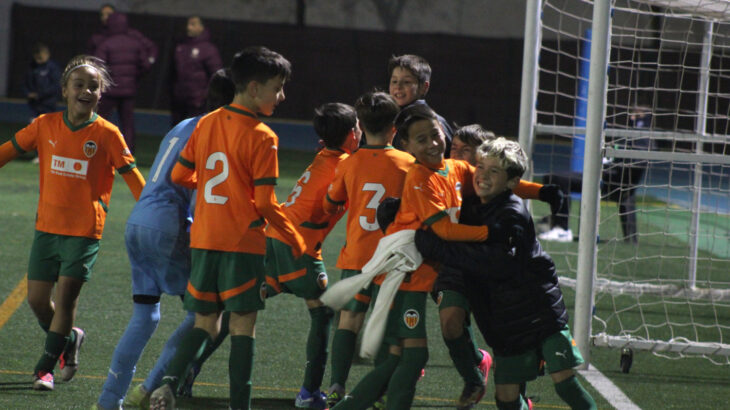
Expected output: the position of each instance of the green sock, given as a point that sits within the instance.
(478, 356)
(55, 342)
(71, 341)
(44, 326)
(462, 354)
(371, 387)
(240, 368)
(518, 404)
(574, 394)
(319, 330)
(382, 354)
(402, 386)
(343, 349)
(215, 343)
(189, 348)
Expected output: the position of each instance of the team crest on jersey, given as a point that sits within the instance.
(90, 149)
(439, 298)
(322, 280)
(126, 152)
(263, 294)
(411, 318)
(195, 52)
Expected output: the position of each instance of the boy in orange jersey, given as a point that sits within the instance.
(231, 158)
(78, 153)
(374, 172)
(431, 197)
(306, 277)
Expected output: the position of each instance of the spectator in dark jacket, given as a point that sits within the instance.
(511, 282)
(42, 84)
(196, 60)
(128, 57)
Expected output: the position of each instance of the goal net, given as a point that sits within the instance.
(660, 258)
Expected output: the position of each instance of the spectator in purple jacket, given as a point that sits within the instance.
(104, 12)
(128, 56)
(196, 60)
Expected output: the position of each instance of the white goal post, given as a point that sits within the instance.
(589, 69)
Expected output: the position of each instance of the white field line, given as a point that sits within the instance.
(608, 390)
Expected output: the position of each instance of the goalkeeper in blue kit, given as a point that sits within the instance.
(158, 244)
(516, 301)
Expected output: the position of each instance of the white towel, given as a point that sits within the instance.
(383, 260)
(409, 259)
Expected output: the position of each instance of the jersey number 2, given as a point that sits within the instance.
(216, 180)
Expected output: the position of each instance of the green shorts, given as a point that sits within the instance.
(559, 352)
(451, 298)
(305, 277)
(231, 281)
(407, 316)
(361, 301)
(54, 255)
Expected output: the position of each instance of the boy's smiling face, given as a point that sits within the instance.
(269, 94)
(490, 179)
(404, 86)
(426, 142)
(462, 150)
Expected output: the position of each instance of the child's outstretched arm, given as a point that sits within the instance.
(269, 208)
(450, 231)
(496, 253)
(528, 190)
(135, 182)
(549, 193)
(8, 152)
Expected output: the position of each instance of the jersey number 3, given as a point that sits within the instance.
(216, 180)
(378, 193)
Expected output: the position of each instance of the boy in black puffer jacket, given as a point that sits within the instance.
(516, 300)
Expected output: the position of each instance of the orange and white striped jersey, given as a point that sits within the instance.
(231, 151)
(77, 165)
(304, 206)
(428, 196)
(364, 179)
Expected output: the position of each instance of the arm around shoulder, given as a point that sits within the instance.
(183, 175)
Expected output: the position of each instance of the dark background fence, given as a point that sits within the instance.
(474, 79)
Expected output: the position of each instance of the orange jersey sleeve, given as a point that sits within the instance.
(265, 202)
(8, 152)
(363, 180)
(135, 182)
(305, 204)
(182, 175)
(77, 166)
(232, 152)
(528, 190)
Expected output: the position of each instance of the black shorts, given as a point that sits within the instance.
(449, 279)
